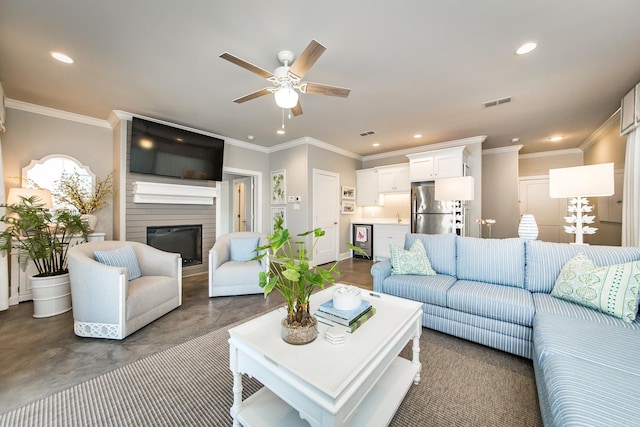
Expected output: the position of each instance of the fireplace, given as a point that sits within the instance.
(183, 239)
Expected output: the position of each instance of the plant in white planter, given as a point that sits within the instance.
(35, 233)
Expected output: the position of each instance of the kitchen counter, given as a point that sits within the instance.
(386, 221)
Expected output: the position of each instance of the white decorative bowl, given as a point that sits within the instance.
(346, 297)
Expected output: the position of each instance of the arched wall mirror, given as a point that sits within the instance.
(45, 172)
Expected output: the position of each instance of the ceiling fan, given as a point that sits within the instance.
(288, 78)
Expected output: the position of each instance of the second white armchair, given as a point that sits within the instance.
(231, 271)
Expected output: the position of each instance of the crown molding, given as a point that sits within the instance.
(307, 140)
(500, 150)
(551, 153)
(58, 114)
(421, 149)
(612, 122)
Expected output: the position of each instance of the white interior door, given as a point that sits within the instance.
(549, 213)
(325, 215)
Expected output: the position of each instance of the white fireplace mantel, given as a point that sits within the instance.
(173, 194)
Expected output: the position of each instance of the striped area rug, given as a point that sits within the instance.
(190, 385)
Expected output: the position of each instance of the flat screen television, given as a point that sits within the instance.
(158, 149)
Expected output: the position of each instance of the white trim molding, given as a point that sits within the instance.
(173, 194)
(424, 148)
(52, 112)
(502, 150)
(552, 153)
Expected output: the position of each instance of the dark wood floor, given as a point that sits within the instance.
(42, 356)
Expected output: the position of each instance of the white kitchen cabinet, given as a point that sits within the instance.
(367, 188)
(393, 179)
(432, 165)
(383, 234)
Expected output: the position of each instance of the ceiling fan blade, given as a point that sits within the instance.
(319, 89)
(252, 95)
(297, 110)
(246, 65)
(307, 58)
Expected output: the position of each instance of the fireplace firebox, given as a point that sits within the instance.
(183, 239)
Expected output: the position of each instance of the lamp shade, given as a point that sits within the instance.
(42, 196)
(458, 188)
(584, 181)
(286, 97)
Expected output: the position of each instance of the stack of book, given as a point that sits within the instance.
(350, 319)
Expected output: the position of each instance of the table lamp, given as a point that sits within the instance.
(578, 183)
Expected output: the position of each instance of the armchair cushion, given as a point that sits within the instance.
(243, 249)
(124, 256)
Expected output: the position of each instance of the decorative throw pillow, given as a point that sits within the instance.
(612, 289)
(124, 256)
(414, 261)
(243, 249)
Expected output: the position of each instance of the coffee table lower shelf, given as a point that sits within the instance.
(264, 408)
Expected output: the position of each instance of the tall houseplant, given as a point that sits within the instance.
(295, 279)
(39, 235)
(35, 233)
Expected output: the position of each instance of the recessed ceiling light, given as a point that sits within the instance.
(280, 132)
(515, 140)
(417, 136)
(376, 145)
(62, 57)
(251, 137)
(526, 48)
(555, 138)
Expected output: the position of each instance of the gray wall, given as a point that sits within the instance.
(500, 193)
(31, 136)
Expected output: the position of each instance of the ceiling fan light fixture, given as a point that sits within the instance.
(286, 97)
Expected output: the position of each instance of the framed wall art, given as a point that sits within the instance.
(278, 212)
(279, 187)
(348, 192)
(348, 208)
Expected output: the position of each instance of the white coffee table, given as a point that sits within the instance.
(359, 383)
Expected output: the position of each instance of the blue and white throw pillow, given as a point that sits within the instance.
(414, 261)
(124, 256)
(243, 249)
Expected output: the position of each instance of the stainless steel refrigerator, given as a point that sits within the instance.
(428, 216)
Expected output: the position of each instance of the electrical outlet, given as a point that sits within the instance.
(291, 199)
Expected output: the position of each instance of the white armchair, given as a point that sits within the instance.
(106, 304)
(229, 275)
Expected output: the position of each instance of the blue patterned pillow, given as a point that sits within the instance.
(612, 289)
(243, 249)
(414, 261)
(124, 256)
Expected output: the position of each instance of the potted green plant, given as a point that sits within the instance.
(73, 190)
(292, 276)
(35, 233)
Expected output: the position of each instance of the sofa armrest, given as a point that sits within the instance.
(380, 271)
(218, 255)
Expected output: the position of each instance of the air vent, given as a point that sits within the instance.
(495, 102)
(367, 133)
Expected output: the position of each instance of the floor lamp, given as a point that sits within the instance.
(455, 190)
(578, 183)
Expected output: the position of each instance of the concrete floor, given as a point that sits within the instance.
(41, 356)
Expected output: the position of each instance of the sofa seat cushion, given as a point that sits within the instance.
(235, 273)
(498, 261)
(425, 289)
(578, 392)
(498, 302)
(545, 303)
(544, 260)
(606, 345)
(147, 293)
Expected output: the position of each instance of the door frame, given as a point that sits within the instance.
(336, 240)
(257, 197)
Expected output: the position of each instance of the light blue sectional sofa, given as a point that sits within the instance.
(496, 292)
